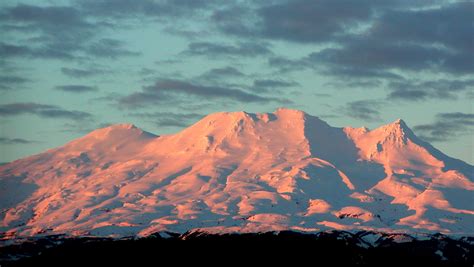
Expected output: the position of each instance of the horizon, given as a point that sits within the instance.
(71, 66)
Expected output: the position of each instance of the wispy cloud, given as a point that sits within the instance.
(446, 126)
(80, 73)
(212, 50)
(169, 119)
(42, 110)
(76, 88)
(366, 110)
(10, 82)
(58, 32)
(223, 72)
(179, 90)
(437, 89)
(16, 141)
(129, 9)
(272, 85)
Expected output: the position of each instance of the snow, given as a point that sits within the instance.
(441, 255)
(239, 172)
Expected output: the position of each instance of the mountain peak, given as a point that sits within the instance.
(112, 136)
(230, 119)
(398, 127)
(400, 123)
(122, 126)
(116, 129)
(401, 128)
(249, 171)
(288, 111)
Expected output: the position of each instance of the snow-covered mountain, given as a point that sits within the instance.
(239, 172)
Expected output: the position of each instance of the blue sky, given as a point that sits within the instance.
(68, 67)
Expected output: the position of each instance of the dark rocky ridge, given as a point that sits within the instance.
(334, 247)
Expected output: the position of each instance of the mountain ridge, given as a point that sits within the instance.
(239, 172)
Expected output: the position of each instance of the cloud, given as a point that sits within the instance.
(21, 108)
(448, 25)
(16, 141)
(369, 55)
(322, 94)
(366, 110)
(146, 71)
(82, 73)
(121, 9)
(169, 119)
(235, 19)
(12, 79)
(109, 48)
(435, 89)
(82, 128)
(168, 91)
(55, 49)
(224, 72)
(357, 73)
(76, 88)
(48, 19)
(355, 83)
(283, 64)
(446, 126)
(9, 82)
(42, 110)
(10, 50)
(372, 44)
(177, 30)
(314, 21)
(212, 50)
(302, 21)
(57, 32)
(168, 61)
(430, 39)
(271, 85)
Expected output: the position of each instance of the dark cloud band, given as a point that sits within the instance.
(42, 110)
(178, 90)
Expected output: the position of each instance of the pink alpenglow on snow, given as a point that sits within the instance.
(239, 172)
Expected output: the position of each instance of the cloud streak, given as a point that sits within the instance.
(224, 72)
(272, 85)
(366, 110)
(446, 126)
(57, 32)
(16, 141)
(82, 73)
(10, 82)
(169, 119)
(435, 89)
(166, 90)
(42, 110)
(76, 88)
(212, 50)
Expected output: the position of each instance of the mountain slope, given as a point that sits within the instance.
(239, 172)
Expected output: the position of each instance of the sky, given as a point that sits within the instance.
(69, 67)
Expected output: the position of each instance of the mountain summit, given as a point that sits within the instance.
(239, 172)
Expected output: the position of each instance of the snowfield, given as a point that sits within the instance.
(239, 172)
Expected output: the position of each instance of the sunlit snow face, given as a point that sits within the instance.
(239, 172)
(68, 67)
